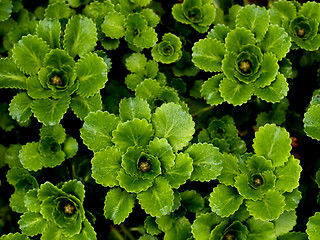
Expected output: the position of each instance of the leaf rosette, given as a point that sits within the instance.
(200, 14)
(168, 50)
(140, 153)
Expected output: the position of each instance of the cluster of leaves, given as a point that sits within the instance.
(175, 120)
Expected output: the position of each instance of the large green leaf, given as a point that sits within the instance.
(225, 200)
(50, 111)
(30, 157)
(29, 53)
(92, 74)
(130, 108)
(203, 225)
(255, 19)
(106, 165)
(273, 143)
(230, 169)
(10, 75)
(49, 30)
(181, 171)
(170, 121)
(136, 132)
(32, 224)
(113, 25)
(312, 122)
(285, 223)
(313, 227)
(80, 36)
(206, 162)
(96, 131)
(162, 197)
(82, 106)
(268, 208)
(20, 107)
(261, 230)
(118, 205)
(207, 54)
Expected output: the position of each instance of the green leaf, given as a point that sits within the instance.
(87, 232)
(192, 200)
(203, 225)
(70, 147)
(230, 169)
(80, 36)
(235, 93)
(32, 223)
(206, 162)
(5, 9)
(311, 122)
(92, 74)
(82, 106)
(30, 157)
(96, 131)
(207, 54)
(56, 131)
(292, 199)
(181, 229)
(29, 53)
(35, 90)
(273, 143)
(130, 108)
(311, 10)
(133, 183)
(14, 236)
(275, 92)
(32, 202)
(181, 171)
(57, 58)
(58, 10)
(170, 121)
(75, 188)
(210, 90)
(151, 226)
(53, 232)
(161, 194)
(237, 38)
(268, 208)
(49, 31)
(50, 111)
(106, 165)
(225, 200)
(219, 32)
(294, 236)
(276, 41)
(161, 149)
(313, 227)
(136, 62)
(255, 19)
(118, 205)
(259, 229)
(285, 223)
(148, 89)
(282, 11)
(288, 175)
(10, 75)
(20, 107)
(136, 132)
(113, 25)
(11, 155)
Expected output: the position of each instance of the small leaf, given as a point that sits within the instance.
(161, 194)
(230, 169)
(70, 147)
(312, 122)
(259, 229)
(49, 30)
(10, 75)
(80, 36)
(288, 175)
(136, 62)
(57, 58)
(30, 157)
(273, 143)
(207, 54)
(20, 107)
(151, 226)
(92, 74)
(235, 93)
(96, 131)
(50, 111)
(15, 236)
(130, 108)
(210, 90)
(32, 223)
(282, 11)
(148, 89)
(133, 184)
(203, 225)
(285, 223)
(118, 205)
(255, 19)
(113, 25)
(206, 162)
(75, 188)
(181, 229)
(292, 199)
(135, 132)
(237, 38)
(56, 131)
(181, 171)
(58, 10)
(225, 200)
(53, 232)
(313, 227)
(192, 200)
(268, 208)
(275, 92)
(174, 124)
(29, 53)
(5, 9)
(82, 106)
(32, 202)
(106, 165)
